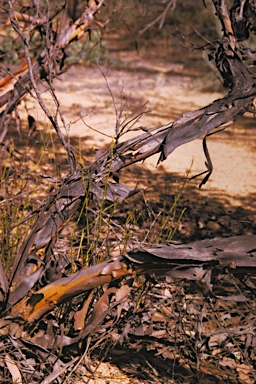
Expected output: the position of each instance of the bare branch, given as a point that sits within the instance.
(161, 18)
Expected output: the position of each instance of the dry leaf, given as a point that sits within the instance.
(243, 372)
(80, 316)
(14, 370)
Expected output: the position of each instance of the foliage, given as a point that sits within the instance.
(11, 49)
(86, 51)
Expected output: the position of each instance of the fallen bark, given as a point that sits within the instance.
(192, 261)
(161, 140)
(95, 179)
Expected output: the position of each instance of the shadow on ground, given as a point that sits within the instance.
(158, 214)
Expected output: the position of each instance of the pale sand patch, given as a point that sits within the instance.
(85, 93)
(105, 373)
(85, 101)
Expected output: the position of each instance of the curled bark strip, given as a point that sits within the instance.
(183, 261)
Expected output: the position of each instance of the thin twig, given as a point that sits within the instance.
(161, 18)
(66, 145)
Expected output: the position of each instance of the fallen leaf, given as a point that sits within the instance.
(14, 370)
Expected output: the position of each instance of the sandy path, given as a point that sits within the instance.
(86, 102)
(232, 151)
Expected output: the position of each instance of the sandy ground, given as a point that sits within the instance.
(87, 104)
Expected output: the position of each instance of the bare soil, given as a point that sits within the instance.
(168, 91)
